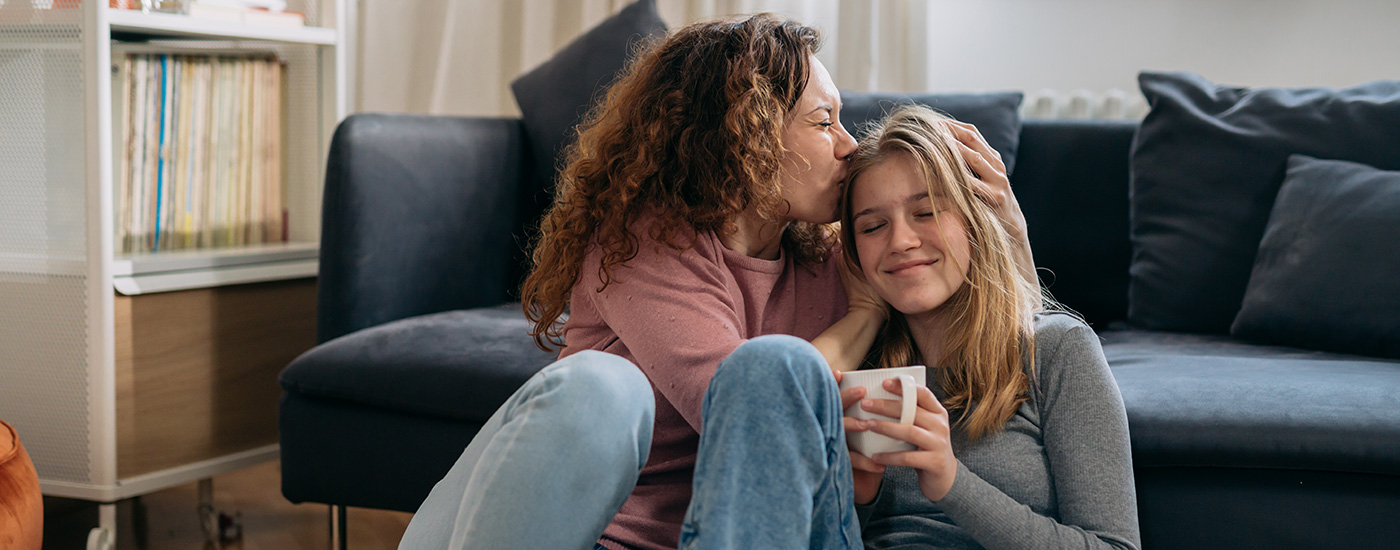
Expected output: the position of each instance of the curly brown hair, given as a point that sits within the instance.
(690, 133)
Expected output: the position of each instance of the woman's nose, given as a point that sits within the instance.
(845, 144)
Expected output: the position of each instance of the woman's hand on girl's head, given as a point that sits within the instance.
(933, 455)
(992, 184)
(995, 189)
(865, 473)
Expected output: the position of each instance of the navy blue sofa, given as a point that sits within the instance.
(1234, 445)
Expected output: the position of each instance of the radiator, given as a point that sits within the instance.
(1085, 104)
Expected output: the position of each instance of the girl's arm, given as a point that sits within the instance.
(1085, 434)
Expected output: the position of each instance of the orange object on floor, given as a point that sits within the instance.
(21, 505)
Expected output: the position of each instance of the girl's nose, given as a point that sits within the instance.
(903, 236)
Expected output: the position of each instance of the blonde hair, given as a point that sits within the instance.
(989, 326)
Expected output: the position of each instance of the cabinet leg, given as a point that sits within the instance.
(107, 517)
(140, 523)
(338, 541)
(208, 517)
(104, 536)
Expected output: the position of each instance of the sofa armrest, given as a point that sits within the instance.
(418, 217)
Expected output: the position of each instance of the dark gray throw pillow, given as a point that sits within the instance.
(1328, 272)
(554, 96)
(1207, 163)
(996, 115)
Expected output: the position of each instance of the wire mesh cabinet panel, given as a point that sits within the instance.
(57, 214)
(52, 334)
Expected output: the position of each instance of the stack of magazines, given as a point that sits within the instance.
(200, 157)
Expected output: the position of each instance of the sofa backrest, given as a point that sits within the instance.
(1071, 178)
(395, 185)
(418, 216)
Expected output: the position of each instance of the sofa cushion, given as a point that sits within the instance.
(1327, 272)
(555, 96)
(996, 115)
(458, 364)
(1207, 163)
(1208, 400)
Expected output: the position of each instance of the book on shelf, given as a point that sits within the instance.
(200, 151)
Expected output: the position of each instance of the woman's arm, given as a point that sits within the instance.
(671, 309)
(845, 343)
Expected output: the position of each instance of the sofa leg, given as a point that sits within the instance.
(338, 541)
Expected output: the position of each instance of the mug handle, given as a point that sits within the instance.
(911, 399)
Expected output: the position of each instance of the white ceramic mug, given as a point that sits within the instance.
(869, 443)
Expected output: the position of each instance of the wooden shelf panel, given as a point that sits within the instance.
(196, 371)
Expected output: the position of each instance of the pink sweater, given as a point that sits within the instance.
(677, 314)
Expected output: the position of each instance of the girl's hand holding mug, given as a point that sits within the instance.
(933, 454)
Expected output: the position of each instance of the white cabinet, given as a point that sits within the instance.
(60, 278)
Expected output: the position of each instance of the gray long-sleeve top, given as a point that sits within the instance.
(1059, 475)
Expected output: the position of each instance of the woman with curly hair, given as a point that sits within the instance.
(691, 252)
(1020, 439)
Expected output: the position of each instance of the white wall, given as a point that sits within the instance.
(1101, 44)
(458, 56)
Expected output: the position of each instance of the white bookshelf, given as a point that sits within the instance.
(60, 273)
(190, 269)
(181, 27)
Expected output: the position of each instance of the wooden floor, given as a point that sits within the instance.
(269, 521)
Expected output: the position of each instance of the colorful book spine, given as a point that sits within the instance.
(201, 151)
(160, 162)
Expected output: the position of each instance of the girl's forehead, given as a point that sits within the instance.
(876, 195)
(893, 175)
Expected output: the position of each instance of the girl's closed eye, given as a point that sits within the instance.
(871, 228)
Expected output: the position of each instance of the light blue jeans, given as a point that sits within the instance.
(554, 464)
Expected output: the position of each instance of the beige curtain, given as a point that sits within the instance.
(459, 56)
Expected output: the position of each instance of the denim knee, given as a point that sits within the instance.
(598, 377)
(601, 391)
(762, 360)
